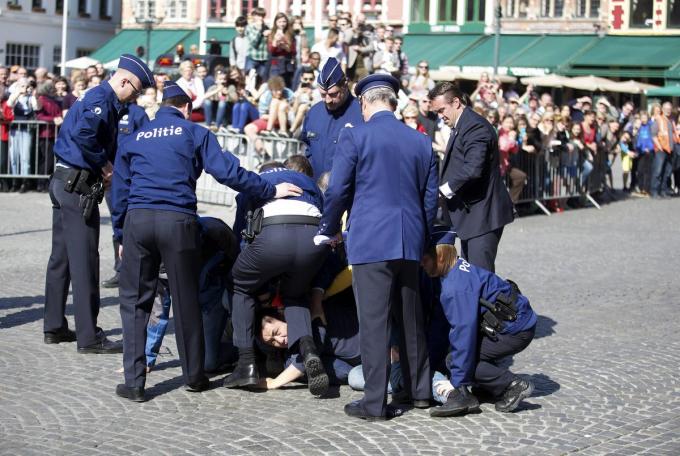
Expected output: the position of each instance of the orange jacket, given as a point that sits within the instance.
(664, 136)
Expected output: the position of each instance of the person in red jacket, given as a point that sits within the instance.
(281, 46)
(49, 110)
(6, 116)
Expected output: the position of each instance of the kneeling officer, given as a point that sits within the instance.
(154, 199)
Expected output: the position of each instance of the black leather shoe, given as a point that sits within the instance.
(460, 402)
(198, 386)
(111, 283)
(518, 390)
(356, 410)
(403, 398)
(135, 394)
(317, 379)
(104, 346)
(63, 335)
(245, 375)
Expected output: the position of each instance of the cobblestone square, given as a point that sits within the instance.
(605, 361)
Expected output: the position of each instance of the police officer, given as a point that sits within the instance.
(283, 250)
(489, 320)
(324, 121)
(477, 201)
(132, 118)
(84, 149)
(387, 173)
(154, 202)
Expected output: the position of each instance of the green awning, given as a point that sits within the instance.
(219, 34)
(127, 41)
(548, 53)
(628, 56)
(666, 91)
(437, 49)
(482, 53)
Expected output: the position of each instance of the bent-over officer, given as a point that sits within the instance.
(154, 197)
(386, 173)
(284, 250)
(85, 148)
(325, 121)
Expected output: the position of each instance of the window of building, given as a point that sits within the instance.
(552, 8)
(218, 9)
(145, 9)
(515, 8)
(37, 6)
(475, 10)
(673, 13)
(641, 12)
(83, 8)
(446, 10)
(105, 9)
(56, 59)
(13, 4)
(374, 6)
(594, 8)
(26, 55)
(83, 52)
(587, 8)
(176, 9)
(248, 5)
(59, 7)
(420, 10)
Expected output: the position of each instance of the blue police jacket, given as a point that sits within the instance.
(462, 289)
(158, 169)
(321, 129)
(87, 138)
(310, 194)
(132, 118)
(386, 173)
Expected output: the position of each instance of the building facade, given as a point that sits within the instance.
(30, 30)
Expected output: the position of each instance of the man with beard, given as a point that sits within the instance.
(325, 121)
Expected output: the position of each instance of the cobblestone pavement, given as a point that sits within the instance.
(605, 361)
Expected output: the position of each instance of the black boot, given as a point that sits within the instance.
(317, 379)
(460, 402)
(246, 373)
(517, 390)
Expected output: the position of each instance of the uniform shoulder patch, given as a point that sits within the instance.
(349, 125)
(97, 110)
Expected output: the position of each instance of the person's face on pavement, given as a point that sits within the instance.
(274, 332)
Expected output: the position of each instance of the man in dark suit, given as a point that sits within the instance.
(477, 202)
(387, 174)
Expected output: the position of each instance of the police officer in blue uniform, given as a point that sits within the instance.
(133, 117)
(284, 251)
(325, 121)
(489, 320)
(477, 202)
(386, 173)
(154, 198)
(84, 149)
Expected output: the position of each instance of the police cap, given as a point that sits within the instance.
(377, 80)
(171, 90)
(331, 74)
(135, 66)
(442, 235)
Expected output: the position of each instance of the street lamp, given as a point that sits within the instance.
(144, 18)
(498, 13)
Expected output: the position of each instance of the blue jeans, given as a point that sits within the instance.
(261, 68)
(158, 322)
(356, 380)
(243, 113)
(437, 377)
(208, 107)
(661, 172)
(585, 172)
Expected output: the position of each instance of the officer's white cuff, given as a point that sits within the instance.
(321, 239)
(445, 190)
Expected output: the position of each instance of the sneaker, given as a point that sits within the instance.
(518, 390)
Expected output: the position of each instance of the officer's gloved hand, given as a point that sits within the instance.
(285, 189)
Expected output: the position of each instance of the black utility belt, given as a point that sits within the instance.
(290, 220)
(76, 180)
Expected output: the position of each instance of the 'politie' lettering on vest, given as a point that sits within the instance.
(158, 132)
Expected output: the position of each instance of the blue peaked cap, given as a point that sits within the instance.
(442, 235)
(331, 74)
(377, 80)
(137, 67)
(171, 89)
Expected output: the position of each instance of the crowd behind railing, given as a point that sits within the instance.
(555, 154)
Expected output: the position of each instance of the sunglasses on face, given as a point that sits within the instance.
(424, 67)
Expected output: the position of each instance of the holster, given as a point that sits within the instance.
(253, 224)
(503, 309)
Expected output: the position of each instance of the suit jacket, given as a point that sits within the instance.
(386, 174)
(481, 202)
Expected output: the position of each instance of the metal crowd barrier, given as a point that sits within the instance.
(251, 154)
(551, 175)
(28, 154)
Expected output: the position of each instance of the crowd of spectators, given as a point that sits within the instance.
(547, 150)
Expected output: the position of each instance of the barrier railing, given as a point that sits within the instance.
(28, 153)
(549, 175)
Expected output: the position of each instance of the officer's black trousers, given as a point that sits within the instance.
(74, 258)
(149, 237)
(384, 289)
(481, 250)
(279, 251)
(488, 374)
